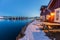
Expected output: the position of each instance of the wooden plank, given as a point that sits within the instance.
(55, 30)
(51, 24)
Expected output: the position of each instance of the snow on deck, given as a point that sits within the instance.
(34, 33)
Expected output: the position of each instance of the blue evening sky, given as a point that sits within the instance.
(28, 8)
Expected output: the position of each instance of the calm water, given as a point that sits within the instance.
(10, 29)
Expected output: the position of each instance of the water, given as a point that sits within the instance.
(10, 29)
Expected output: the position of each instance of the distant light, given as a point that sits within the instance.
(1, 17)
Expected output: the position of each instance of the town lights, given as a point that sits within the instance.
(1, 17)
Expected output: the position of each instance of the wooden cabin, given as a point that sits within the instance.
(42, 14)
(53, 7)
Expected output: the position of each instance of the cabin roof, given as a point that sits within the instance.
(51, 3)
(43, 7)
(45, 13)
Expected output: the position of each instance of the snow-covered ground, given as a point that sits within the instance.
(34, 33)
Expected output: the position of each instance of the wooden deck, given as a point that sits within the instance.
(55, 30)
(47, 23)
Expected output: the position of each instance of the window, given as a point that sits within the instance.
(57, 14)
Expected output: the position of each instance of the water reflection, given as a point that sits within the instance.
(9, 29)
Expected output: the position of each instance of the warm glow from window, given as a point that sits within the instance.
(52, 14)
(48, 16)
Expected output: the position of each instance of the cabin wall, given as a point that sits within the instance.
(56, 5)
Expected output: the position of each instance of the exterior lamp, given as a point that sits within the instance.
(52, 14)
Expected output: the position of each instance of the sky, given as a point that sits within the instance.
(30, 8)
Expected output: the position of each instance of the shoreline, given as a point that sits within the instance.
(21, 34)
